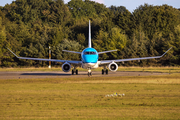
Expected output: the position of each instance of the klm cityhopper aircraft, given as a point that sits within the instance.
(89, 60)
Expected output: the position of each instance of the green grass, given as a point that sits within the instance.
(146, 97)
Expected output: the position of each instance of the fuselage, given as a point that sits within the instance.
(89, 57)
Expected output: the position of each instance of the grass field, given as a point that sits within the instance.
(146, 97)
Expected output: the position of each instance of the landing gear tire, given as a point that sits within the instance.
(76, 72)
(106, 71)
(72, 72)
(102, 72)
(89, 74)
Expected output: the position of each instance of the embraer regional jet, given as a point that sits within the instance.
(89, 60)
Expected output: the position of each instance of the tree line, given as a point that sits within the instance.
(29, 27)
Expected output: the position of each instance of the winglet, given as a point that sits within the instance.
(89, 44)
(166, 52)
(12, 53)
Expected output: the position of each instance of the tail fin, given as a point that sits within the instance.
(89, 43)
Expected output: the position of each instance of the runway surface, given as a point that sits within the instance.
(33, 75)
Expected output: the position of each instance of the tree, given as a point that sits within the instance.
(118, 10)
(81, 38)
(115, 39)
(156, 19)
(125, 21)
(57, 52)
(81, 8)
(137, 47)
(29, 27)
(2, 39)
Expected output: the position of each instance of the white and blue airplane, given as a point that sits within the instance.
(89, 60)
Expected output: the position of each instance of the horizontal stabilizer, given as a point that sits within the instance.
(72, 51)
(107, 51)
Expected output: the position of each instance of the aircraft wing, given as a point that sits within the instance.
(52, 60)
(131, 59)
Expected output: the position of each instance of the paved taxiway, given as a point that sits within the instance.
(33, 75)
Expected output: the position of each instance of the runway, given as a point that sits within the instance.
(39, 74)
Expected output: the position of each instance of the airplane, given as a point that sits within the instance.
(89, 59)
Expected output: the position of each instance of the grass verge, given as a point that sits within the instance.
(146, 97)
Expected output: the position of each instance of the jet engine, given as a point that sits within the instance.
(66, 67)
(113, 67)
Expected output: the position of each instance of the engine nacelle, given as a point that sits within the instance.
(66, 67)
(113, 67)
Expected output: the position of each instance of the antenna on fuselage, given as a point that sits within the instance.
(89, 43)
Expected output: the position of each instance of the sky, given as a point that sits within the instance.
(131, 5)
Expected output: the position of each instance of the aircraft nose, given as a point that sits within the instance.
(90, 59)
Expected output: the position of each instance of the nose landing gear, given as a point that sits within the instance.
(89, 72)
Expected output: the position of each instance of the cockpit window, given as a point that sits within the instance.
(90, 53)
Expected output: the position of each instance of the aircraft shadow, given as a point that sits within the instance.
(46, 74)
(55, 74)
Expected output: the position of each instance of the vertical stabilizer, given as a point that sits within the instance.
(89, 43)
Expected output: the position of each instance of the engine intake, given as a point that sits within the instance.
(113, 67)
(66, 67)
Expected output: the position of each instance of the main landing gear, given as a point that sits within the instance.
(74, 71)
(104, 71)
